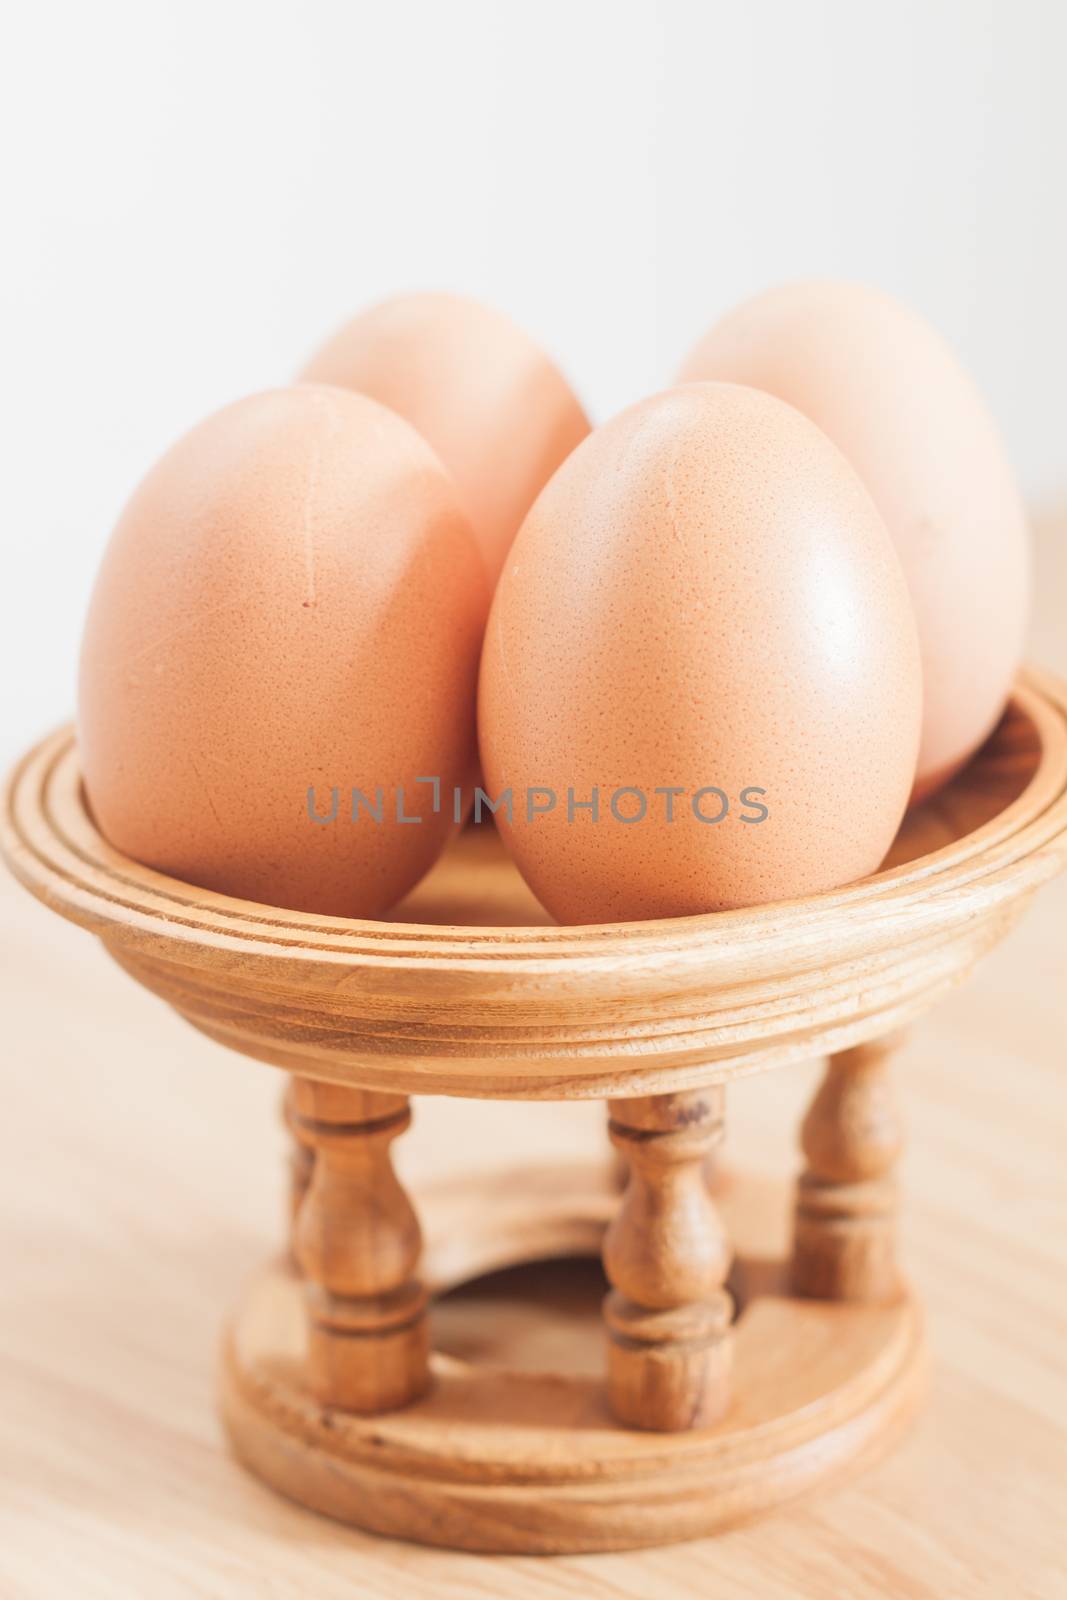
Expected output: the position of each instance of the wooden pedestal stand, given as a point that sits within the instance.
(725, 1390)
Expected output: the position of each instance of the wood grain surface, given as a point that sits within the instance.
(144, 1171)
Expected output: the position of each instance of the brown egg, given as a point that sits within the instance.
(702, 620)
(497, 411)
(291, 607)
(890, 393)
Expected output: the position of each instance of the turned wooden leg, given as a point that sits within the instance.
(844, 1242)
(357, 1242)
(666, 1256)
(301, 1161)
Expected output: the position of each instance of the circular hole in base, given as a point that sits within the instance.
(542, 1316)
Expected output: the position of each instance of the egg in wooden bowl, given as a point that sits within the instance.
(701, 685)
(889, 391)
(282, 643)
(496, 409)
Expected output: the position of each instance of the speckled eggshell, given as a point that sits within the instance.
(890, 393)
(498, 412)
(292, 598)
(704, 595)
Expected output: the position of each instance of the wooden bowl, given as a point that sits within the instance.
(328, 1389)
(470, 991)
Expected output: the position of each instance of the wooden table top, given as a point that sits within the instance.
(141, 1176)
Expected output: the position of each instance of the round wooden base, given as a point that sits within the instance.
(498, 1457)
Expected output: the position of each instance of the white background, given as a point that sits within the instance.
(195, 194)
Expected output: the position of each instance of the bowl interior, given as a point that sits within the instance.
(475, 884)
